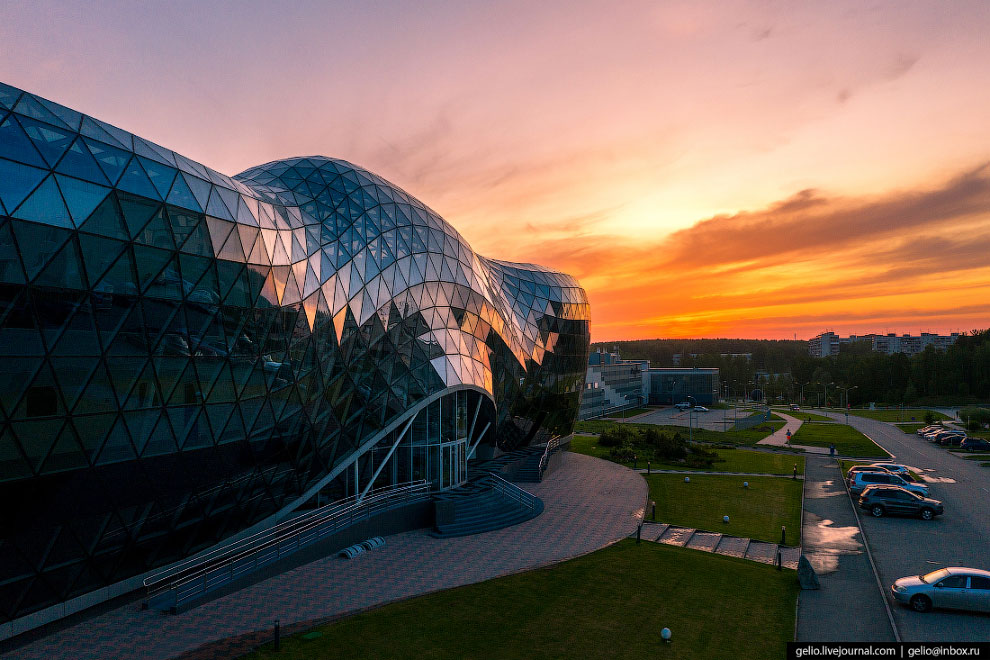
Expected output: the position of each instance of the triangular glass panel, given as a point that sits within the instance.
(137, 211)
(29, 106)
(17, 145)
(66, 454)
(97, 130)
(50, 141)
(160, 175)
(45, 206)
(121, 279)
(17, 181)
(181, 195)
(63, 270)
(110, 159)
(134, 180)
(107, 221)
(158, 231)
(78, 162)
(80, 196)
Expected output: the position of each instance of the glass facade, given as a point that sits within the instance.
(185, 354)
(670, 386)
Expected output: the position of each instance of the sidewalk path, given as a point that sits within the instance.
(849, 606)
(779, 437)
(590, 503)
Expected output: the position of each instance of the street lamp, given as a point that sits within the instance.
(826, 393)
(846, 390)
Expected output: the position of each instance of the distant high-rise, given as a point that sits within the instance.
(829, 343)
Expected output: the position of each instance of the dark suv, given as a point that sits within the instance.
(975, 444)
(894, 500)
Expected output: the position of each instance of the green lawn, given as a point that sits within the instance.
(897, 415)
(847, 440)
(609, 604)
(733, 460)
(756, 512)
(746, 437)
(810, 417)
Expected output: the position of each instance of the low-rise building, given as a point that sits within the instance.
(613, 384)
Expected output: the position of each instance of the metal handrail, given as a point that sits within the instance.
(551, 447)
(319, 521)
(513, 491)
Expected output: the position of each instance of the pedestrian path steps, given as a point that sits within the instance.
(720, 544)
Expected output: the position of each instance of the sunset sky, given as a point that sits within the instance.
(725, 169)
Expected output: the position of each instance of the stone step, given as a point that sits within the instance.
(653, 531)
(678, 536)
(761, 551)
(705, 541)
(732, 546)
(790, 556)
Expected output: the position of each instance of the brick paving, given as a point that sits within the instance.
(590, 503)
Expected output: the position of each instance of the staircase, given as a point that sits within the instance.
(485, 504)
(721, 544)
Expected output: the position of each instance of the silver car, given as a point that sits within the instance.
(952, 588)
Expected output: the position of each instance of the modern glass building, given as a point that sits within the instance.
(185, 355)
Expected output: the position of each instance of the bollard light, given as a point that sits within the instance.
(745, 484)
(687, 480)
(725, 519)
(665, 634)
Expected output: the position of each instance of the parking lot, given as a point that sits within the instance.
(713, 420)
(910, 546)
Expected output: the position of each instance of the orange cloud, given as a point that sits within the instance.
(902, 261)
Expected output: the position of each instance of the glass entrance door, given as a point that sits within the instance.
(453, 463)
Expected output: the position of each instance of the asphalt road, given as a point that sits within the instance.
(909, 546)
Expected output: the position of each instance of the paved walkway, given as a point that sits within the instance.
(720, 544)
(779, 438)
(590, 503)
(848, 607)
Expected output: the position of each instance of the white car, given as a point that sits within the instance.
(683, 405)
(895, 468)
(954, 587)
(700, 409)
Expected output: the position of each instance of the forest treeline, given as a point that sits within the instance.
(958, 375)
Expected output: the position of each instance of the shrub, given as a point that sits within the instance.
(929, 417)
(622, 454)
(665, 446)
(615, 436)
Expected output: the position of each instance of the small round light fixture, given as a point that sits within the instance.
(745, 484)
(665, 634)
(687, 480)
(725, 519)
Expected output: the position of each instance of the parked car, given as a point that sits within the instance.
(975, 444)
(929, 429)
(896, 468)
(955, 588)
(683, 405)
(934, 437)
(860, 480)
(950, 439)
(795, 406)
(865, 468)
(882, 500)
(700, 409)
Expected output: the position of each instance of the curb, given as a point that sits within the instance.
(869, 555)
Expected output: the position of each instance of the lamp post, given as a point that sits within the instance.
(846, 390)
(826, 393)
